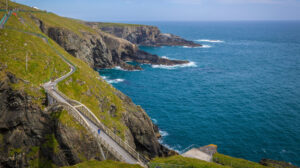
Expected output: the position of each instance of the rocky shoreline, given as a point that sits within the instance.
(102, 50)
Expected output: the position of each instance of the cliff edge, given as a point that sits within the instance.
(142, 35)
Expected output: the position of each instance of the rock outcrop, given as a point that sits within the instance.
(32, 137)
(142, 35)
(143, 130)
(102, 50)
(276, 164)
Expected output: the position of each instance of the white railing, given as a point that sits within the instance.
(91, 116)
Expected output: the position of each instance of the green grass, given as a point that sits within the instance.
(45, 64)
(51, 143)
(85, 86)
(67, 120)
(12, 5)
(42, 62)
(182, 162)
(14, 151)
(103, 164)
(41, 163)
(1, 14)
(73, 25)
(235, 162)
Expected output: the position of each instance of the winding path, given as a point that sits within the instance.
(85, 116)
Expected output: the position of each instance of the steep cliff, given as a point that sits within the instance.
(33, 137)
(142, 35)
(30, 133)
(95, 47)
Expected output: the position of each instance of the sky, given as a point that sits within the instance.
(171, 10)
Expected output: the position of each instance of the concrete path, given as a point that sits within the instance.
(203, 153)
(126, 156)
(50, 87)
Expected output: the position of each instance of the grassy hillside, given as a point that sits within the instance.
(44, 63)
(12, 5)
(103, 164)
(235, 162)
(182, 162)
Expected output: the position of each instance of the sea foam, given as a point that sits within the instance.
(210, 41)
(190, 64)
(163, 133)
(205, 46)
(112, 80)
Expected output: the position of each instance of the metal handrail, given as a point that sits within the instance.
(109, 132)
(74, 112)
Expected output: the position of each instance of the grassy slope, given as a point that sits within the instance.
(235, 162)
(84, 85)
(73, 25)
(12, 5)
(182, 162)
(1, 14)
(43, 62)
(103, 164)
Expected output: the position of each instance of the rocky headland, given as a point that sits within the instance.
(142, 35)
(102, 50)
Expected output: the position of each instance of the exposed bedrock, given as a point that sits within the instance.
(102, 50)
(142, 35)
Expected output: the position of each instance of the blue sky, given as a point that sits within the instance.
(171, 10)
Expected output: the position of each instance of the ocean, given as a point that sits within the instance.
(241, 90)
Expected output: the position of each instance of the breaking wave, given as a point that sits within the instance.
(163, 133)
(113, 80)
(119, 68)
(190, 64)
(210, 41)
(205, 46)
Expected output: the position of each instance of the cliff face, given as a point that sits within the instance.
(102, 50)
(143, 35)
(32, 137)
(145, 134)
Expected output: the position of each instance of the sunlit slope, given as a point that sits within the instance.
(43, 64)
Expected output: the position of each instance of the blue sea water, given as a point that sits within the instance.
(241, 92)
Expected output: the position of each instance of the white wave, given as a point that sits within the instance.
(165, 57)
(119, 68)
(106, 78)
(169, 147)
(190, 64)
(154, 121)
(205, 46)
(163, 133)
(190, 47)
(210, 41)
(115, 80)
